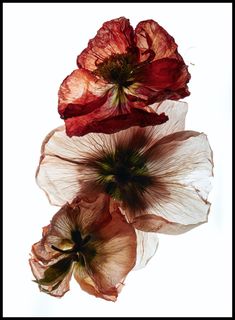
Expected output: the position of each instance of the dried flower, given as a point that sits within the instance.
(158, 176)
(89, 240)
(120, 74)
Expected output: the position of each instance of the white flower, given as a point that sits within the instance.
(159, 176)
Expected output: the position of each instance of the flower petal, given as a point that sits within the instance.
(89, 105)
(58, 178)
(59, 285)
(80, 93)
(153, 223)
(87, 284)
(93, 212)
(61, 169)
(42, 251)
(58, 170)
(182, 164)
(152, 38)
(176, 112)
(115, 253)
(164, 79)
(147, 244)
(103, 122)
(114, 37)
(89, 214)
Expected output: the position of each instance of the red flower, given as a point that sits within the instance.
(120, 74)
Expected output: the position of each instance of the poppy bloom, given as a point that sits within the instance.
(122, 72)
(159, 176)
(89, 240)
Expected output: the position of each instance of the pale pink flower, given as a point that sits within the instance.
(91, 240)
(158, 176)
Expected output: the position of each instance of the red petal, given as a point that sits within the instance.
(80, 93)
(115, 37)
(79, 126)
(153, 40)
(164, 79)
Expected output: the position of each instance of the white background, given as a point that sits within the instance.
(190, 275)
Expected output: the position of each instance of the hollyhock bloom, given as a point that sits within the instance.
(159, 176)
(90, 241)
(120, 73)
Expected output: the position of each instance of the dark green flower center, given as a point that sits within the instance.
(80, 246)
(79, 251)
(124, 176)
(117, 69)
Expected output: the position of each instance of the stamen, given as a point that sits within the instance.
(124, 175)
(79, 243)
(117, 69)
(62, 251)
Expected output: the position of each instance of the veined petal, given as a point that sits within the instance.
(87, 284)
(42, 251)
(115, 253)
(62, 168)
(58, 284)
(80, 93)
(147, 244)
(88, 213)
(114, 37)
(59, 170)
(93, 212)
(176, 112)
(111, 121)
(59, 179)
(182, 164)
(164, 79)
(152, 223)
(151, 38)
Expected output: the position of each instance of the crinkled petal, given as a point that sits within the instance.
(152, 223)
(115, 253)
(182, 164)
(80, 93)
(147, 244)
(58, 172)
(62, 167)
(176, 112)
(115, 37)
(100, 110)
(153, 40)
(87, 284)
(164, 79)
(59, 179)
(94, 212)
(42, 251)
(58, 286)
(106, 121)
(89, 214)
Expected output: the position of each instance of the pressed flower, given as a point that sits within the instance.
(159, 176)
(90, 241)
(120, 73)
